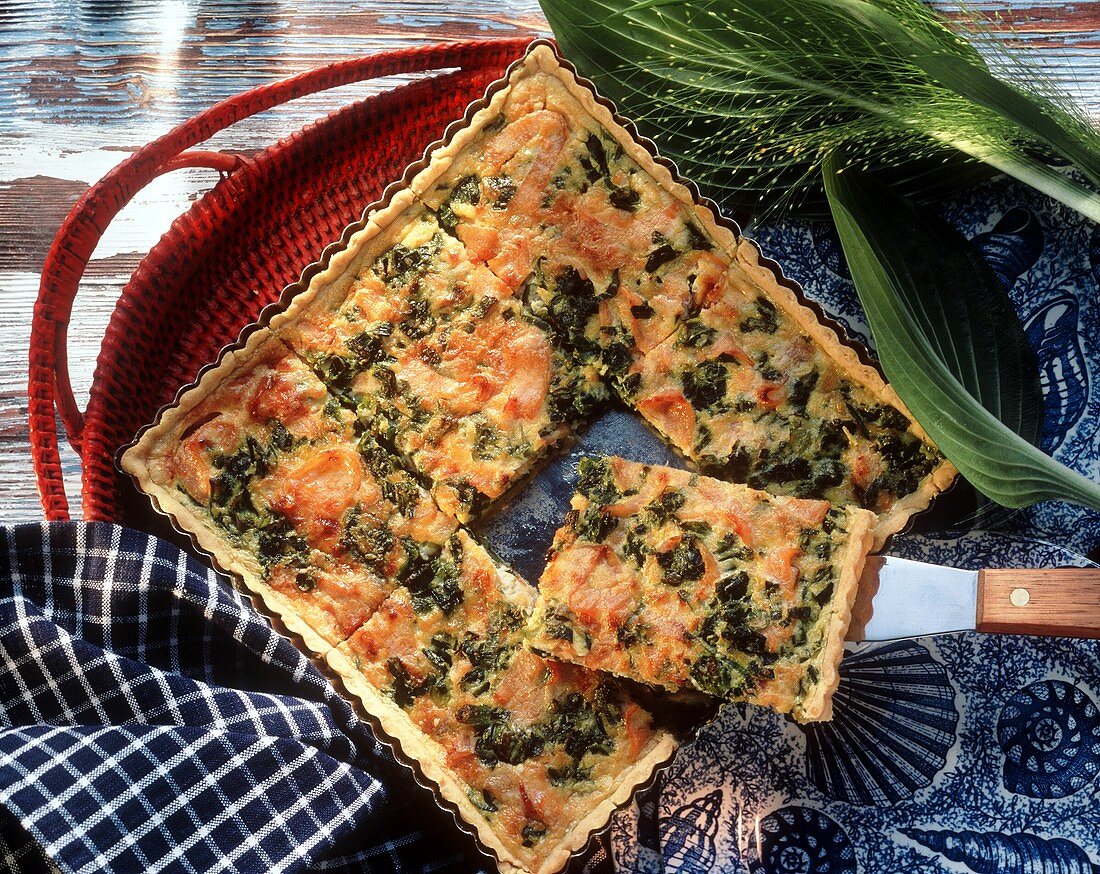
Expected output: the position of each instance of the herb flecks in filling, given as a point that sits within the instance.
(231, 505)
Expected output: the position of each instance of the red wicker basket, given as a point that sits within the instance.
(232, 253)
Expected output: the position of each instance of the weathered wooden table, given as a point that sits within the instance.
(85, 82)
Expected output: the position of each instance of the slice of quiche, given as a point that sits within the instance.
(637, 281)
(435, 356)
(533, 753)
(754, 389)
(264, 469)
(555, 198)
(680, 580)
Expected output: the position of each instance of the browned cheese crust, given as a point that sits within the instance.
(533, 754)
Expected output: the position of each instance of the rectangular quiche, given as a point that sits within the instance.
(540, 266)
(679, 580)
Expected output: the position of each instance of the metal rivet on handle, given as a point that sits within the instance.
(1019, 597)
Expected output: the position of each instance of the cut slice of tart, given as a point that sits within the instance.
(533, 753)
(264, 470)
(436, 358)
(679, 580)
(756, 391)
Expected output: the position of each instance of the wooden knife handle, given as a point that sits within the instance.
(1053, 602)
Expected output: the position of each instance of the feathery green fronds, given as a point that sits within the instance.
(750, 96)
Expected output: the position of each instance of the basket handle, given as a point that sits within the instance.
(50, 388)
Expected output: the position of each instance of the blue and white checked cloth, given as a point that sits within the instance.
(150, 720)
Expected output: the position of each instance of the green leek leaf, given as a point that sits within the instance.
(750, 96)
(949, 342)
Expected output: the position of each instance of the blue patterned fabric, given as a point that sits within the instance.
(948, 754)
(150, 720)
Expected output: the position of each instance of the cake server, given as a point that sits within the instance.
(901, 598)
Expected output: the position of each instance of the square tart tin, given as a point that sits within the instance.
(677, 718)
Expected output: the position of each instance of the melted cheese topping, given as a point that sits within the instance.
(602, 256)
(679, 580)
(628, 285)
(542, 270)
(326, 519)
(438, 360)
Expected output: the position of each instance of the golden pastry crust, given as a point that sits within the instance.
(675, 579)
(817, 706)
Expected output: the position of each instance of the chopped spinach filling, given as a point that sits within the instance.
(280, 544)
(661, 254)
(696, 335)
(569, 774)
(696, 239)
(366, 539)
(572, 396)
(497, 737)
(798, 395)
(406, 689)
(634, 630)
(484, 800)
(533, 832)
(664, 506)
(908, 461)
(469, 497)
(230, 503)
(490, 655)
(432, 580)
(715, 674)
(596, 481)
(593, 524)
(501, 190)
(581, 725)
(572, 305)
(559, 623)
(400, 265)
(487, 440)
(624, 198)
(705, 386)
(765, 319)
(466, 190)
(403, 494)
(418, 322)
(683, 563)
(595, 163)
